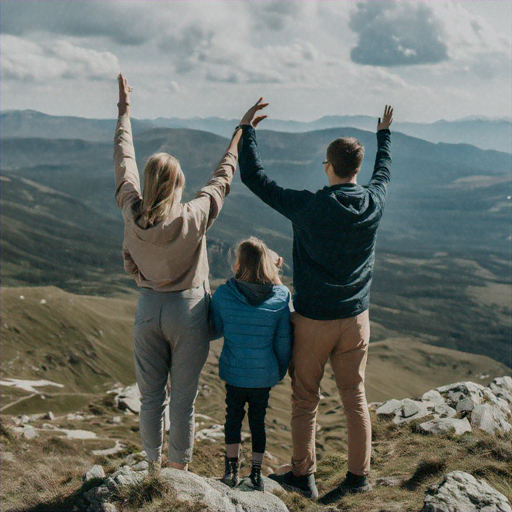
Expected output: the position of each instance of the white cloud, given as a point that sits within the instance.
(210, 58)
(30, 61)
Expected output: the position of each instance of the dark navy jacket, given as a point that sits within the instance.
(334, 232)
(257, 339)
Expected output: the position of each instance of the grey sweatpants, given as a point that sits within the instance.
(170, 340)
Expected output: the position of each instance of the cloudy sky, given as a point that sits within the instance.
(430, 59)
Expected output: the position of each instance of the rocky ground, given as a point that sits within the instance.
(448, 450)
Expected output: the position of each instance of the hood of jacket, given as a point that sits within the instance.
(348, 197)
(269, 296)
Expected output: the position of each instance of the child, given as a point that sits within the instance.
(251, 311)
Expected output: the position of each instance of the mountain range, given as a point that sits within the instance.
(442, 271)
(481, 132)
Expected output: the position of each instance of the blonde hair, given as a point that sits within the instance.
(163, 186)
(256, 262)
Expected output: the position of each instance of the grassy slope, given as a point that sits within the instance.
(79, 341)
(85, 343)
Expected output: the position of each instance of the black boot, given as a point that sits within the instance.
(304, 485)
(351, 485)
(230, 477)
(256, 480)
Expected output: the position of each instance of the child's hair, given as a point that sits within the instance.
(256, 262)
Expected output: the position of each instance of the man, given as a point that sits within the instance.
(334, 235)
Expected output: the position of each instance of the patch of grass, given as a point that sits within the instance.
(424, 470)
(296, 502)
(154, 494)
(420, 460)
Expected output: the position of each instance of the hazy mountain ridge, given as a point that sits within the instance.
(482, 132)
(442, 257)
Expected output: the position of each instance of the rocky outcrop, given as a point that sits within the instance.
(461, 491)
(456, 408)
(190, 487)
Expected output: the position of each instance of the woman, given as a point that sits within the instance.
(165, 250)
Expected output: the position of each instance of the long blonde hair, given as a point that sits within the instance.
(164, 182)
(255, 262)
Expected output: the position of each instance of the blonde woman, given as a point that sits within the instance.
(165, 250)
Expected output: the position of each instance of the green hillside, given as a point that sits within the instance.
(443, 256)
(85, 344)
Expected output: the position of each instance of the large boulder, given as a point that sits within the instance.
(446, 426)
(454, 393)
(461, 492)
(402, 411)
(189, 487)
(489, 418)
(502, 388)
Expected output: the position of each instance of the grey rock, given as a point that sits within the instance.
(22, 419)
(193, 488)
(410, 408)
(135, 458)
(432, 396)
(29, 432)
(465, 405)
(502, 388)
(489, 418)
(97, 499)
(440, 410)
(125, 476)
(453, 393)
(500, 403)
(96, 471)
(460, 491)
(389, 408)
(48, 416)
(141, 466)
(446, 426)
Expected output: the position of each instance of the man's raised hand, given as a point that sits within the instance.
(387, 119)
(250, 116)
(124, 94)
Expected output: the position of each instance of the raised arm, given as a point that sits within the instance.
(210, 199)
(125, 167)
(381, 171)
(288, 202)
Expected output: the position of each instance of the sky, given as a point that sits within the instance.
(309, 58)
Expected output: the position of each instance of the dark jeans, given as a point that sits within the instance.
(257, 398)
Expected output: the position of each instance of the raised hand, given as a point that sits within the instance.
(124, 94)
(250, 116)
(387, 119)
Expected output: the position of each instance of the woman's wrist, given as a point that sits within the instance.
(123, 108)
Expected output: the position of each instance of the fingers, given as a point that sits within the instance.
(259, 105)
(258, 120)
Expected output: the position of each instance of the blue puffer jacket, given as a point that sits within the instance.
(257, 338)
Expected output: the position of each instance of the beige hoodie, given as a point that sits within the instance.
(170, 256)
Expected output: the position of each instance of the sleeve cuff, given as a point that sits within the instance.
(248, 129)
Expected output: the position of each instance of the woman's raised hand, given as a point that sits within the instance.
(124, 94)
(250, 116)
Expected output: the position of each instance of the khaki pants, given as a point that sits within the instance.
(345, 343)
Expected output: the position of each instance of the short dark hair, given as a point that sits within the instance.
(346, 156)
